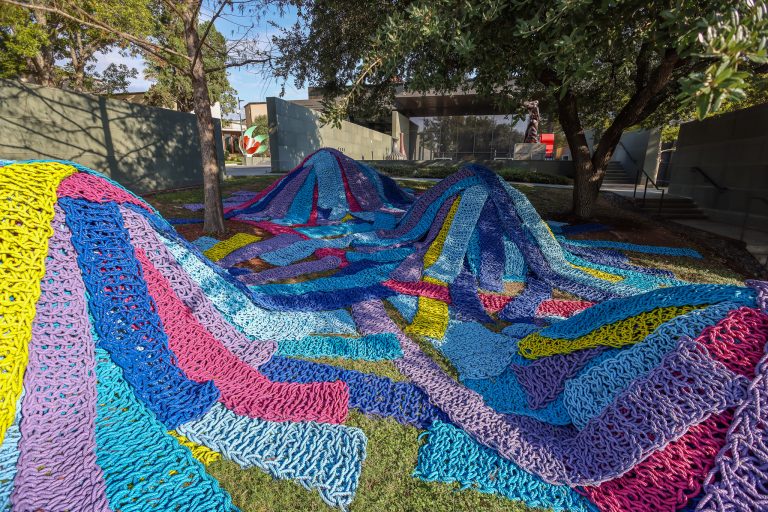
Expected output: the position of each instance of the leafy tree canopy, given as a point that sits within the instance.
(172, 88)
(588, 60)
(53, 50)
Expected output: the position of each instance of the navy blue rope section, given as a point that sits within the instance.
(522, 309)
(180, 221)
(512, 226)
(264, 201)
(370, 394)
(324, 300)
(465, 303)
(492, 243)
(125, 316)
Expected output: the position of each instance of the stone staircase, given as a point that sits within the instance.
(615, 174)
(673, 207)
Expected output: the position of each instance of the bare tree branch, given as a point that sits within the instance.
(216, 14)
(245, 62)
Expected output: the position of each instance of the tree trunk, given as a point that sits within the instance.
(214, 212)
(588, 176)
(586, 187)
(43, 63)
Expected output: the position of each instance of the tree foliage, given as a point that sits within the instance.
(174, 89)
(587, 60)
(50, 49)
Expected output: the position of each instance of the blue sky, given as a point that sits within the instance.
(250, 84)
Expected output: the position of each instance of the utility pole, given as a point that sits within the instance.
(240, 120)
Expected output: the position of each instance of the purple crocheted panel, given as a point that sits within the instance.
(57, 466)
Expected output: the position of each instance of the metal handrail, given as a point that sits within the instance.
(709, 179)
(645, 188)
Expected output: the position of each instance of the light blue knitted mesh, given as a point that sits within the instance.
(205, 242)
(318, 456)
(476, 352)
(613, 310)
(406, 305)
(366, 277)
(138, 456)
(253, 321)
(373, 347)
(331, 195)
(9, 454)
(303, 249)
(449, 263)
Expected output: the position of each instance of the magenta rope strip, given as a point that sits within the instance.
(143, 236)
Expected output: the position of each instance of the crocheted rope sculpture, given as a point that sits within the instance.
(133, 358)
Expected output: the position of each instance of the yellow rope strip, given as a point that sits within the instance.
(223, 248)
(624, 332)
(27, 197)
(613, 278)
(436, 247)
(200, 452)
(431, 317)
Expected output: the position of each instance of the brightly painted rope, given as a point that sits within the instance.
(628, 388)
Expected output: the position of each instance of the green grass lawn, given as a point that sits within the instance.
(386, 483)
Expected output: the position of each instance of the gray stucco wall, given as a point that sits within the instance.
(733, 150)
(296, 131)
(143, 148)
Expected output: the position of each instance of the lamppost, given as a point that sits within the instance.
(240, 118)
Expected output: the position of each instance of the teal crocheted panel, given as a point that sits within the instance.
(406, 305)
(396, 254)
(205, 242)
(255, 322)
(331, 195)
(373, 347)
(639, 280)
(345, 228)
(476, 352)
(144, 467)
(449, 263)
(303, 249)
(9, 454)
(451, 455)
(514, 262)
(366, 277)
(319, 456)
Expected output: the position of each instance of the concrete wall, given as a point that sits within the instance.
(732, 149)
(143, 148)
(296, 131)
